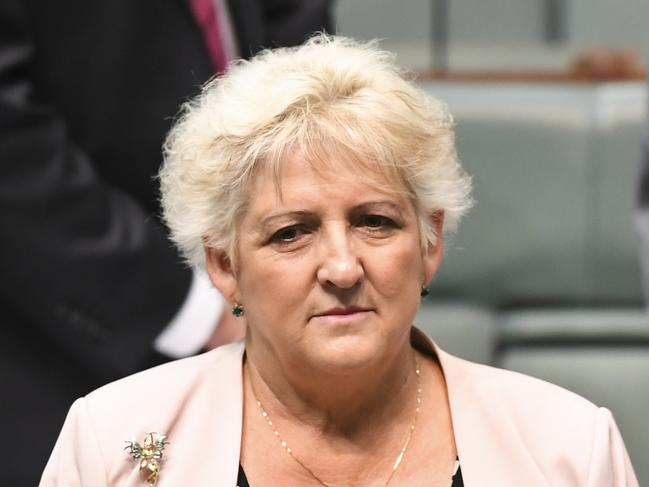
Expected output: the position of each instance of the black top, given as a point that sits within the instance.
(242, 481)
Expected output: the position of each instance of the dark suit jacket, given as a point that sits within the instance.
(88, 278)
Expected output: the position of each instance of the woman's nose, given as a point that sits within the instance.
(340, 265)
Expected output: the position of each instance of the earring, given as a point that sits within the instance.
(424, 292)
(237, 310)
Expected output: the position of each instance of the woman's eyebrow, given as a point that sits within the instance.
(270, 220)
(378, 205)
(273, 219)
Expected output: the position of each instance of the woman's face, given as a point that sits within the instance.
(330, 272)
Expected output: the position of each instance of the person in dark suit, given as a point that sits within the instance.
(89, 280)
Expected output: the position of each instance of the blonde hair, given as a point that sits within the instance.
(331, 98)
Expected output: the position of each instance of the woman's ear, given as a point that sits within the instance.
(221, 272)
(434, 253)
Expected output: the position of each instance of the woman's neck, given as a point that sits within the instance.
(347, 405)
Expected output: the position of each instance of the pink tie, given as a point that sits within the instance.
(206, 17)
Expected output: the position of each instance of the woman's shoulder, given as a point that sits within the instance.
(165, 385)
(516, 393)
(161, 378)
(542, 429)
(195, 402)
(470, 381)
(530, 402)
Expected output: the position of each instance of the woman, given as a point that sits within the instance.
(314, 185)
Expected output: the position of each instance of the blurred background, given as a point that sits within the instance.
(550, 102)
(544, 275)
(526, 34)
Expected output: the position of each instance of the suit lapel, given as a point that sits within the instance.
(227, 424)
(489, 444)
(208, 446)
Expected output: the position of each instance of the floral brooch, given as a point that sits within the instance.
(149, 455)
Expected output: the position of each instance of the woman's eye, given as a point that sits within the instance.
(376, 221)
(288, 234)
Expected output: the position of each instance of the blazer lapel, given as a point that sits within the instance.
(489, 444)
(208, 445)
(227, 424)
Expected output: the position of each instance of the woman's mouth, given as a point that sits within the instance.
(345, 314)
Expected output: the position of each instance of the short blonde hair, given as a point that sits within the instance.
(332, 97)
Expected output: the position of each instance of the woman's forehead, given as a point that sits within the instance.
(324, 169)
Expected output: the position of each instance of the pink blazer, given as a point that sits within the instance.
(510, 429)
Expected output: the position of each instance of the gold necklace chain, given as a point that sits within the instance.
(397, 462)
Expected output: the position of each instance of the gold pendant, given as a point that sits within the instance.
(149, 455)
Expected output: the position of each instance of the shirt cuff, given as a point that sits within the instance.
(195, 322)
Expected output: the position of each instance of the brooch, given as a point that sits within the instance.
(149, 455)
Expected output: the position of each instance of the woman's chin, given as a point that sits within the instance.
(347, 354)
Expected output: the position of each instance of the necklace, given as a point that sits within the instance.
(400, 456)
